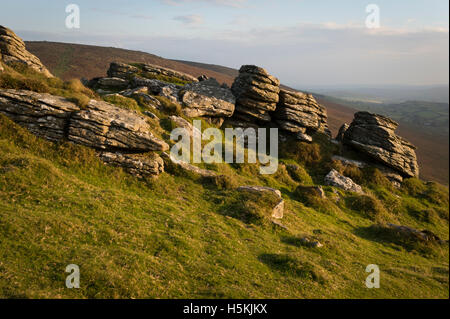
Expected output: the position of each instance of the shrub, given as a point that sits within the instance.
(424, 215)
(251, 208)
(222, 181)
(413, 187)
(367, 205)
(383, 232)
(169, 107)
(437, 194)
(299, 174)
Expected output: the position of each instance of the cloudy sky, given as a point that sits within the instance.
(306, 43)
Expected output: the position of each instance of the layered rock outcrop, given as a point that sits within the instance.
(121, 136)
(300, 114)
(126, 71)
(12, 50)
(374, 135)
(257, 94)
(206, 98)
(335, 179)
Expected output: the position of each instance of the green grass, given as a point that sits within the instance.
(178, 237)
(20, 77)
(182, 236)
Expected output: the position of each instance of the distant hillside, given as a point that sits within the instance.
(213, 67)
(69, 61)
(394, 94)
(427, 115)
(77, 61)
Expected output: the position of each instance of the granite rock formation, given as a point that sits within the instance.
(300, 114)
(257, 94)
(374, 135)
(122, 137)
(13, 50)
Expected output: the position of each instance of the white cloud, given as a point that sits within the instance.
(306, 54)
(190, 20)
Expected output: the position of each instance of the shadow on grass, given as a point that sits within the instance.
(290, 266)
(387, 236)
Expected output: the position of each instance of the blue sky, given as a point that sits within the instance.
(305, 43)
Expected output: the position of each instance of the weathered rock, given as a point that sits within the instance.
(170, 160)
(104, 126)
(207, 100)
(1, 66)
(216, 121)
(12, 49)
(119, 133)
(182, 123)
(335, 179)
(347, 161)
(121, 70)
(157, 87)
(300, 113)
(373, 135)
(306, 241)
(303, 137)
(112, 83)
(409, 232)
(209, 82)
(44, 115)
(393, 176)
(256, 92)
(142, 93)
(278, 210)
(341, 133)
(159, 70)
(141, 165)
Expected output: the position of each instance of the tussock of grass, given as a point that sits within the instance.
(383, 233)
(368, 206)
(169, 107)
(122, 101)
(19, 77)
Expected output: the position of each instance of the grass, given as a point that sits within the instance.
(182, 236)
(175, 237)
(19, 77)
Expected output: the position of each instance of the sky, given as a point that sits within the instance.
(305, 43)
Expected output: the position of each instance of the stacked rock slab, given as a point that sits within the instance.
(257, 94)
(12, 50)
(126, 71)
(374, 135)
(206, 98)
(300, 114)
(122, 137)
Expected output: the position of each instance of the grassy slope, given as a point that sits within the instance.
(175, 237)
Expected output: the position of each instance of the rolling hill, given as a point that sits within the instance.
(84, 61)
